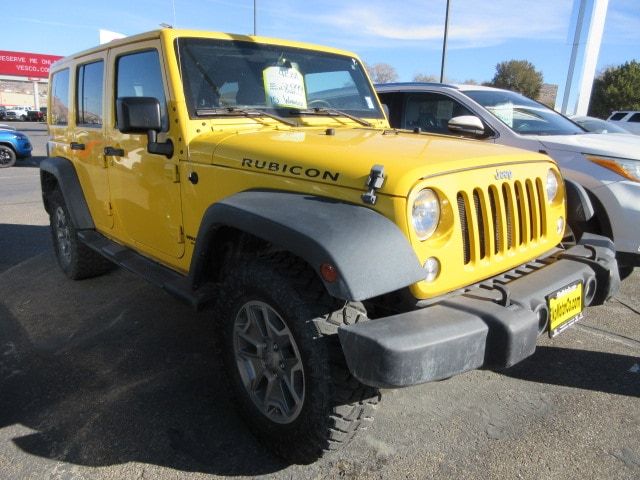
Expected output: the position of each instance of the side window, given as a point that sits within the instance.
(60, 97)
(139, 75)
(618, 116)
(431, 112)
(89, 94)
(635, 118)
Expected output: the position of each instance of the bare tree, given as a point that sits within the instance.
(421, 77)
(381, 72)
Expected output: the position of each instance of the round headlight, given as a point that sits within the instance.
(552, 185)
(425, 213)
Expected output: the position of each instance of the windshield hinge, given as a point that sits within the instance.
(374, 182)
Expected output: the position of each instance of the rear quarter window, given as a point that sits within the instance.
(60, 97)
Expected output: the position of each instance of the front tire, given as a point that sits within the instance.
(291, 381)
(76, 260)
(7, 157)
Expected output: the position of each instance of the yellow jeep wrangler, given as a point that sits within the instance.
(260, 177)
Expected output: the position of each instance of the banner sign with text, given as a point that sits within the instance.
(23, 64)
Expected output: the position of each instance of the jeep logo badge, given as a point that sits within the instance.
(503, 175)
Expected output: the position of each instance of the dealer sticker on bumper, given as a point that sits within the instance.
(565, 308)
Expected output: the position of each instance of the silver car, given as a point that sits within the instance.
(607, 166)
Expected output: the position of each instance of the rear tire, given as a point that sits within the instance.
(7, 157)
(284, 361)
(76, 260)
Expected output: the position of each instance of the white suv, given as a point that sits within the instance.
(630, 120)
(21, 112)
(607, 167)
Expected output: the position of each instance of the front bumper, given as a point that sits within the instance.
(493, 326)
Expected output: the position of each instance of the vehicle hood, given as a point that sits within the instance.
(346, 157)
(625, 146)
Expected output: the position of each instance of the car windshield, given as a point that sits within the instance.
(596, 125)
(522, 114)
(220, 74)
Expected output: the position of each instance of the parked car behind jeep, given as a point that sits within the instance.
(628, 119)
(259, 177)
(37, 115)
(13, 145)
(608, 167)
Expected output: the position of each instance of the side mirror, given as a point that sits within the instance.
(142, 115)
(466, 125)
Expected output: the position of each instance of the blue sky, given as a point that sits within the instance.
(406, 33)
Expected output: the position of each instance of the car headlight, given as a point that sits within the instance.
(425, 213)
(622, 166)
(552, 185)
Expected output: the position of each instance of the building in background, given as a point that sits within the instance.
(548, 94)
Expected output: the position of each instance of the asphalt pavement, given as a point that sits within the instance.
(111, 378)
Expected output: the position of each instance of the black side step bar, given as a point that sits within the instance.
(159, 275)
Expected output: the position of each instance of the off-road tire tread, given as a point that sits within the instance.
(352, 403)
(85, 263)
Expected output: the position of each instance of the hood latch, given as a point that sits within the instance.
(374, 182)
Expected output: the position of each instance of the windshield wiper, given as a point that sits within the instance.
(241, 112)
(332, 112)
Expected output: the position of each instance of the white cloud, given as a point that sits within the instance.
(472, 23)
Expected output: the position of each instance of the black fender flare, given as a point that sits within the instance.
(69, 185)
(579, 206)
(370, 253)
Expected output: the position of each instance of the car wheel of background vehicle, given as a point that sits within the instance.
(23, 118)
(7, 157)
(284, 362)
(76, 260)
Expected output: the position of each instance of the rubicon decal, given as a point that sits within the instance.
(295, 170)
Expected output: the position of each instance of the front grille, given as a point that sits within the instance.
(499, 218)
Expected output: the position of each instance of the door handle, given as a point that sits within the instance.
(77, 146)
(113, 152)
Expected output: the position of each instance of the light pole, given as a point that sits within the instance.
(255, 26)
(444, 43)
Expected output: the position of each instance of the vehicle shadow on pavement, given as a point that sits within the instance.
(588, 370)
(112, 370)
(21, 242)
(31, 162)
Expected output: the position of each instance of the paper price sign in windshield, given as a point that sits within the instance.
(284, 87)
(504, 112)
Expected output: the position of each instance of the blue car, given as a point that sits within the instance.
(13, 145)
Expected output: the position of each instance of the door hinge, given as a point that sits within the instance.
(179, 234)
(172, 172)
(109, 209)
(104, 160)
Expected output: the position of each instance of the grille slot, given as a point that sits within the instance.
(482, 241)
(497, 227)
(464, 226)
(508, 206)
(521, 221)
(505, 217)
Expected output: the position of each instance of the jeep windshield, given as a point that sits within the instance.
(236, 77)
(523, 115)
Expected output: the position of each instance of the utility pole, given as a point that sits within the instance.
(444, 43)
